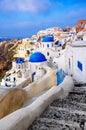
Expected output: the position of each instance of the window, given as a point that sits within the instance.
(47, 53)
(79, 65)
(47, 45)
(19, 66)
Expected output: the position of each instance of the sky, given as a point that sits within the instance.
(24, 18)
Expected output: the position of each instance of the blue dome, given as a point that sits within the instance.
(37, 57)
(20, 60)
(48, 39)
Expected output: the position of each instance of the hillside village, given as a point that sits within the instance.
(27, 45)
(52, 43)
(43, 61)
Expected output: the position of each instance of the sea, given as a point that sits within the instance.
(4, 39)
(8, 39)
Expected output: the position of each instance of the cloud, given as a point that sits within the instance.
(25, 5)
(78, 13)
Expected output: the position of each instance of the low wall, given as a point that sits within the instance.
(3, 92)
(45, 83)
(67, 85)
(24, 83)
(23, 118)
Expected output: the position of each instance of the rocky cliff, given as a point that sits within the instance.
(7, 50)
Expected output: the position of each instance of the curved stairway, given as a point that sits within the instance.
(64, 114)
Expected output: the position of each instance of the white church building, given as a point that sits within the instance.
(48, 47)
(37, 62)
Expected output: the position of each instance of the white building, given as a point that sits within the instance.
(75, 61)
(49, 53)
(47, 42)
(37, 60)
(48, 47)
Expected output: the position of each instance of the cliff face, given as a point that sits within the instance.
(7, 50)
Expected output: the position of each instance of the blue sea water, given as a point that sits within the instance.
(4, 39)
(8, 39)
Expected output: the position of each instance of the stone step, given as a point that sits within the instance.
(80, 89)
(65, 103)
(75, 97)
(64, 114)
(55, 118)
(67, 110)
(53, 124)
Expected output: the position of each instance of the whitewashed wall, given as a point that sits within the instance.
(23, 118)
(75, 54)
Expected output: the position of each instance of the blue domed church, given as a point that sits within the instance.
(48, 42)
(48, 47)
(37, 57)
(36, 61)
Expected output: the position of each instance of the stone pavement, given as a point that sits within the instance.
(64, 114)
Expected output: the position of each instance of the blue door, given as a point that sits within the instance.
(60, 76)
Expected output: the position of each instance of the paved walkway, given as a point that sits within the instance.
(64, 114)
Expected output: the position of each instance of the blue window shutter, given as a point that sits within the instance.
(79, 65)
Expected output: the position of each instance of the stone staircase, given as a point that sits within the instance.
(64, 114)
